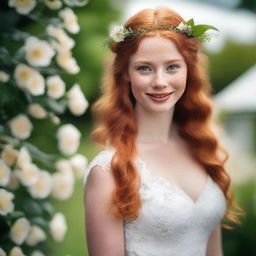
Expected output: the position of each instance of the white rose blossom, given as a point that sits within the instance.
(38, 52)
(42, 187)
(30, 79)
(63, 166)
(77, 103)
(23, 74)
(23, 7)
(21, 126)
(37, 253)
(70, 20)
(53, 4)
(55, 87)
(79, 164)
(37, 111)
(29, 174)
(5, 173)
(35, 235)
(67, 62)
(68, 139)
(6, 204)
(19, 230)
(117, 33)
(2, 252)
(58, 227)
(4, 77)
(24, 158)
(16, 251)
(63, 184)
(63, 41)
(9, 155)
(36, 84)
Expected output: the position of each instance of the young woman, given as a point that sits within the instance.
(159, 186)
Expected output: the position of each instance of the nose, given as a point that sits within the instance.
(160, 81)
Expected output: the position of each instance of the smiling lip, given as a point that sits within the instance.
(159, 94)
(159, 97)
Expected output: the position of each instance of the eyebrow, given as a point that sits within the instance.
(149, 63)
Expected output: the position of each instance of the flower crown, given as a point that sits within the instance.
(118, 33)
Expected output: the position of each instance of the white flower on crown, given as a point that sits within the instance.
(21, 126)
(77, 103)
(23, 7)
(70, 20)
(29, 174)
(68, 139)
(53, 4)
(5, 173)
(35, 235)
(117, 33)
(9, 155)
(16, 251)
(14, 181)
(6, 204)
(64, 42)
(4, 77)
(19, 230)
(55, 87)
(29, 78)
(2, 252)
(79, 164)
(58, 227)
(37, 253)
(38, 52)
(42, 187)
(24, 158)
(184, 28)
(67, 62)
(37, 111)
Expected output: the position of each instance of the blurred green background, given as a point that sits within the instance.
(225, 66)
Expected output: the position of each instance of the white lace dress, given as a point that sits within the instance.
(170, 222)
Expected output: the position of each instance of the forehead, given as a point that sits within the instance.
(156, 48)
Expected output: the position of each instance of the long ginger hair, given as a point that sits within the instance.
(115, 123)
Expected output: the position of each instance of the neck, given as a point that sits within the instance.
(154, 127)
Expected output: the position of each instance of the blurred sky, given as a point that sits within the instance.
(238, 25)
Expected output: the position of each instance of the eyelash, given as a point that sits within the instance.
(142, 68)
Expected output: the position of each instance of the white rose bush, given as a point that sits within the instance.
(33, 67)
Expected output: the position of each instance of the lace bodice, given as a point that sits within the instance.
(170, 223)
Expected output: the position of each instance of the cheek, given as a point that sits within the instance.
(139, 82)
(180, 81)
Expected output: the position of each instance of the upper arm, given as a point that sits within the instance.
(104, 231)
(214, 246)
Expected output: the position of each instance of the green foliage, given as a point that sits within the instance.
(230, 63)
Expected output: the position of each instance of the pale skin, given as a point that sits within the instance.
(156, 67)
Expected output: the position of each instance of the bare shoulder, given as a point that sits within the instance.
(99, 178)
(102, 227)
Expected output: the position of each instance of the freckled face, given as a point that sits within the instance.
(157, 73)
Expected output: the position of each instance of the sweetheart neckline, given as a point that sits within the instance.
(168, 183)
(172, 185)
